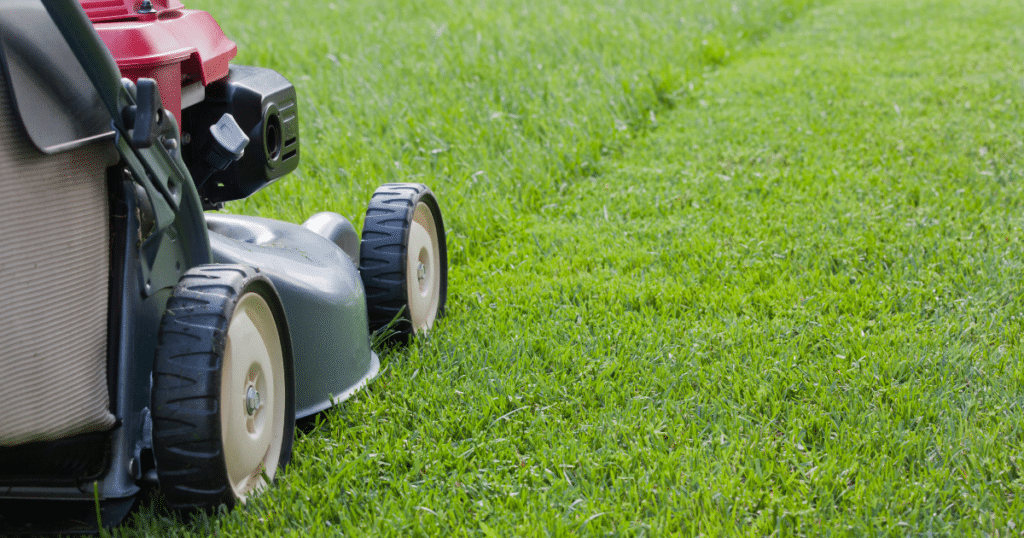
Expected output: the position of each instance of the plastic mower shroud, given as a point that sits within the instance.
(142, 340)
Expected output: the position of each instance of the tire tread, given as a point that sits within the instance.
(383, 251)
(187, 442)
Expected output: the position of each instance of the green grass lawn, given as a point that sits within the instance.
(717, 267)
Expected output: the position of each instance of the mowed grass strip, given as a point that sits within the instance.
(795, 308)
(789, 305)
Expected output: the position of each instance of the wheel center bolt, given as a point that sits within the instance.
(252, 400)
(421, 272)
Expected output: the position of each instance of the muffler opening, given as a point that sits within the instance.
(273, 136)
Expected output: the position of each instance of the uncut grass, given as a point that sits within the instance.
(789, 307)
(497, 105)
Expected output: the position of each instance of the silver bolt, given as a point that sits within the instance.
(252, 401)
(421, 272)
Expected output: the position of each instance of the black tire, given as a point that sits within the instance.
(410, 287)
(206, 338)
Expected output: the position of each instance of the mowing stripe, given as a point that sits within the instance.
(790, 307)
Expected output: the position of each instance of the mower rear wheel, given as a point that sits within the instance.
(223, 388)
(403, 259)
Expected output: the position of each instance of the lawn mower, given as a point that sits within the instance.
(145, 339)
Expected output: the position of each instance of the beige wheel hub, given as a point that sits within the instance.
(252, 396)
(423, 269)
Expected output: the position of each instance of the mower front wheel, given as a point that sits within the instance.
(223, 388)
(403, 259)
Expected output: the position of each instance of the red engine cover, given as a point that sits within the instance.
(176, 47)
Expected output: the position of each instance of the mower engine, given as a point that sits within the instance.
(187, 53)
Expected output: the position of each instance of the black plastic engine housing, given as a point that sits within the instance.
(263, 103)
